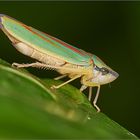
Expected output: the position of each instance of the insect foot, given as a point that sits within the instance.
(98, 109)
(17, 65)
(53, 87)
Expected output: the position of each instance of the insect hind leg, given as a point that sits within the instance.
(42, 65)
(36, 64)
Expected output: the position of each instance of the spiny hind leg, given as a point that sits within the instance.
(36, 64)
(56, 87)
(42, 65)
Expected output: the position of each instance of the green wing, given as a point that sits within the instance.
(44, 42)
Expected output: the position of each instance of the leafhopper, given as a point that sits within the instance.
(52, 53)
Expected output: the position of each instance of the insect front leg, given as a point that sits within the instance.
(86, 81)
(96, 98)
(83, 87)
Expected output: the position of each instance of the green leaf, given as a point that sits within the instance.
(31, 109)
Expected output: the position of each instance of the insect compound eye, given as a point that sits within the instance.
(104, 70)
(97, 68)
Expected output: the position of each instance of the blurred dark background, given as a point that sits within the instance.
(111, 30)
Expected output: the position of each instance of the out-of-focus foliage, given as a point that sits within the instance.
(29, 109)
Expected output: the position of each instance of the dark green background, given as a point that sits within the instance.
(111, 30)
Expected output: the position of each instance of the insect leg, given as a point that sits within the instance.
(66, 82)
(60, 77)
(90, 93)
(83, 87)
(37, 65)
(96, 98)
(25, 65)
(42, 65)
